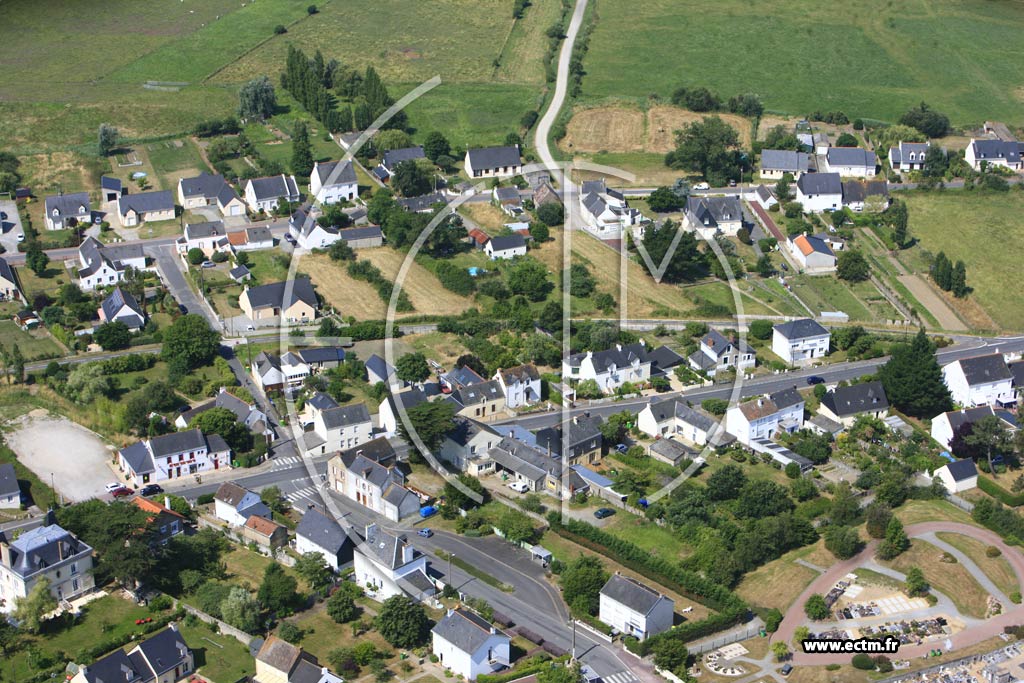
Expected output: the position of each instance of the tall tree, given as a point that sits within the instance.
(189, 343)
(29, 610)
(107, 139)
(958, 281)
(240, 610)
(989, 437)
(403, 622)
(582, 580)
(412, 367)
(410, 180)
(913, 380)
(278, 590)
(431, 420)
(895, 542)
(36, 259)
(685, 264)
(302, 150)
(257, 99)
(436, 145)
(709, 147)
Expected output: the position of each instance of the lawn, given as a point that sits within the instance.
(828, 293)
(657, 540)
(218, 657)
(322, 634)
(888, 57)
(247, 567)
(996, 568)
(778, 583)
(35, 345)
(983, 230)
(173, 160)
(268, 266)
(951, 579)
(917, 511)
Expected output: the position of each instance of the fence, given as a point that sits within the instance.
(716, 642)
(227, 629)
(964, 505)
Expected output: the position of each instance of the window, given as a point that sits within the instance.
(74, 568)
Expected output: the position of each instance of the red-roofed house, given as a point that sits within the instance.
(812, 253)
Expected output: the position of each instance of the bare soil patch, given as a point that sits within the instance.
(664, 121)
(935, 304)
(612, 129)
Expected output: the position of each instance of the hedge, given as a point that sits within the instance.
(999, 493)
(534, 666)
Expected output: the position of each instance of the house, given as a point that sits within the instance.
(308, 233)
(166, 522)
(908, 156)
(820, 143)
(48, 552)
(468, 645)
(162, 658)
(521, 385)
(372, 479)
(465, 446)
(26, 320)
(388, 412)
(145, 207)
(481, 401)
(333, 181)
(979, 381)
(9, 290)
(610, 368)
(173, 456)
(993, 153)
(424, 203)
(866, 195)
(266, 194)
(775, 163)
(764, 196)
(365, 237)
(545, 193)
(604, 210)
(251, 239)
(67, 210)
(208, 236)
(765, 416)
(267, 534)
(387, 565)
(248, 414)
(336, 428)
(378, 370)
(10, 489)
(529, 465)
(208, 189)
(506, 247)
(800, 341)
(846, 404)
(663, 359)
(281, 662)
(494, 162)
(958, 476)
(121, 306)
(670, 451)
(240, 274)
(850, 162)
(393, 157)
(834, 242)
(321, 357)
(111, 189)
(585, 440)
(812, 254)
(716, 353)
(458, 377)
(293, 300)
(234, 504)
(818, 192)
(317, 533)
(507, 199)
(946, 425)
(713, 216)
(633, 608)
(674, 417)
(106, 264)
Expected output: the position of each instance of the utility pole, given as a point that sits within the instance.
(450, 581)
(573, 622)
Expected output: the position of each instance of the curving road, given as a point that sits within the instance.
(972, 634)
(543, 131)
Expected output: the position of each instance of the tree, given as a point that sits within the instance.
(240, 610)
(664, 200)
(189, 343)
(760, 329)
(29, 610)
(195, 256)
(958, 284)
(529, 277)
(845, 508)
(746, 105)
(588, 388)
(913, 381)
(36, 259)
(430, 420)
(412, 367)
(863, 662)
(410, 180)
(458, 499)
(278, 590)
(436, 145)
(341, 606)
(928, 121)
(685, 264)
(803, 489)
(772, 619)
(257, 100)
(566, 673)
(670, 654)
(551, 213)
(846, 140)
(895, 542)
(764, 266)
(403, 622)
(780, 650)
(112, 336)
(539, 232)
(726, 483)
(936, 163)
(314, 569)
(340, 251)
(942, 271)
(107, 139)
(989, 437)
(225, 423)
(17, 365)
(915, 583)
(302, 151)
(816, 609)
(581, 282)
(852, 266)
(582, 580)
(87, 382)
(709, 147)
(842, 541)
(878, 517)
(387, 140)
(760, 498)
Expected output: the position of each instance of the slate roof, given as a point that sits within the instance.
(231, 493)
(820, 183)
(663, 358)
(138, 458)
(855, 399)
(110, 183)
(958, 418)
(410, 398)
(850, 156)
(985, 369)
(716, 341)
(1017, 370)
(379, 366)
(206, 185)
(345, 416)
(239, 272)
(808, 244)
(988, 150)
(462, 376)
(527, 372)
(513, 241)
(464, 629)
(322, 354)
(273, 295)
(765, 193)
(711, 211)
(619, 355)
(6, 272)
(484, 158)
(321, 401)
(363, 233)
(274, 187)
(322, 531)
(8, 480)
(226, 194)
(197, 231)
(896, 154)
(481, 392)
(119, 299)
(784, 160)
(784, 398)
(144, 202)
(584, 435)
(112, 668)
(68, 204)
(43, 547)
(506, 194)
(800, 329)
(393, 157)
(466, 429)
(423, 202)
(631, 593)
(961, 470)
(385, 546)
(672, 450)
(346, 176)
(694, 417)
(860, 190)
(164, 651)
(258, 234)
(378, 450)
(177, 442)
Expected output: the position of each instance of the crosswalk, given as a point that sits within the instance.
(621, 677)
(301, 497)
(286, 462)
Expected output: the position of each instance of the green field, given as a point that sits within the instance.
(860, 300)
(983, 230)
(872, 59)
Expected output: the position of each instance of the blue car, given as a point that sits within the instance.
(425, 532)
(814, 379)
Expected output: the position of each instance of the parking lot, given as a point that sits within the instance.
(10, 225)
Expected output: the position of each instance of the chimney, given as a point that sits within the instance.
(371, 531)
(60, 550)
(760, 402)
(407, 553)
(167, 502)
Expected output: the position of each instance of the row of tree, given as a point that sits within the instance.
(950, 277)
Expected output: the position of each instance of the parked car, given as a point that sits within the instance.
(289, 239)
(121, 492)
(151, 489)
(519, 487)
(702, 186)
(425, 532)
(209, 264)
(815, 379)
(601, 513)
(621, 448)
(784, 266)
(732, 183)
(113, 486)
(183, 308)
(21, 237)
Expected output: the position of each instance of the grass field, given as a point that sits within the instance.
(34, 344)
(218, 657)
(626, 129)
(861, 300)
(875, 59)
(996, 568)
(778, 583)
(951, 579)
(983, 230)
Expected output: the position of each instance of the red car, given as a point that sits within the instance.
(121, 492)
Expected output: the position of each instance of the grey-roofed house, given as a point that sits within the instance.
(336, 428)
(670, 451)
(764, 196)
(521, 384)
(111, 188)
(586, 442)
(424, 203)
(763, 417)
(466, 444)
(994, 153)
(460, 376)
(468, 645)
(633, 608)
(712, 216)
(317, 533)
(610, 368)
(48, 552)
(162, 658)
(235, 504)
(308, 232)
(716, 353)
(248, 414)
(9, 288)
(252, 239)
(505, 247)
(958, 476)
(10, 490)
(121, 306)
(673, 417)
(279, 373)
(393, 157)
(278, 661)
(293, 300)
(663, 359)
(388, 565)
(376, 485)
(266, 194)
(493, 162)
(866, 195)
(908, 156)
(481, 401)
(173, 456)
(775, 163)
(812, 253)
(333, 181)
(322, 357)
(145, 207)
(388, 412)
(508, 200)
(818, 192)
(846, 404)
(850, 161)
(605, 211)
(67, 210)
(946, 425)
(980, 380)
(378, 370)
(208, 189)
(800, 341)
(240, 274)
(539, 471)
(207, 236)
(365, 237)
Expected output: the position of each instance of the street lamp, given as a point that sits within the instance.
(572, 622)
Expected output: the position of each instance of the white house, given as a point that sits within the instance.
(466, 445)
(252, 239)
(610, 368)
(369, 476)
(317, 533)
(208, 189)
(800, 341)
(818, 192)
(979, 381)
(945, 426)
(393, 157)
(103, 265)
(494, 162)
(713, 216)
(993, 153)
(333, 181)
(387, 565)
(717, 353)
(468, 645)
(10, 490)
(44, 552)
(521, 385)
(845, 404)
(605, 211)
(634, 609)
(277, 373)
(121, 306)
(775, 163)
(265, 194)
(508, 200)
(812, 253)
(507, 247)
(908, 156)
(674, 417)
(958, 476)
(67, 210)
(850, 162)
(144, 207)
(866, 195)
(235, 505)
(765, 416)
(208, 236)
(336, 428)
(764, 196)
(162, 658)
(388, 414)
(309, 234)
(173, 456)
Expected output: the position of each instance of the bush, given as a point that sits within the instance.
(205, 499)
(280, 30)
(863, 662)
(219, 257)
(993, 551)
(1015, 597)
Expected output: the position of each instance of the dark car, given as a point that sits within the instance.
(784, 266)
(601, 513)
(183, 308)
(289, 239)
(621, 448)
(425, 532)
(121, 492)
(815, 379)
(151, 489)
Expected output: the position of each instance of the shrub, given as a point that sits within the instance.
(863, 662)
(993, 551)
(280, 30)
(205, 499)
(1015, 597)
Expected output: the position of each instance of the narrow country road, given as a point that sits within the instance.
(543, 131)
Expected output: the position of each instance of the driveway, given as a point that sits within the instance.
(10, 226)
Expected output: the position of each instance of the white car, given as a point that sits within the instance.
(113, 486)
(702, 186)
(519, 487)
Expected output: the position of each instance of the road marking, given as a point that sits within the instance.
(621, 677)
(286, 463)
(307, 492)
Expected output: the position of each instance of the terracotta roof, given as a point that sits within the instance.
(804, 245)
(479, 236)
(262, 526)
(758, 408)
(237, 238)
(148, 505)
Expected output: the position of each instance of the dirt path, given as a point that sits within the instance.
(947, 317)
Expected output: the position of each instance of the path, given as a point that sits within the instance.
(969, 565)
(946, 316)
(974, 633)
